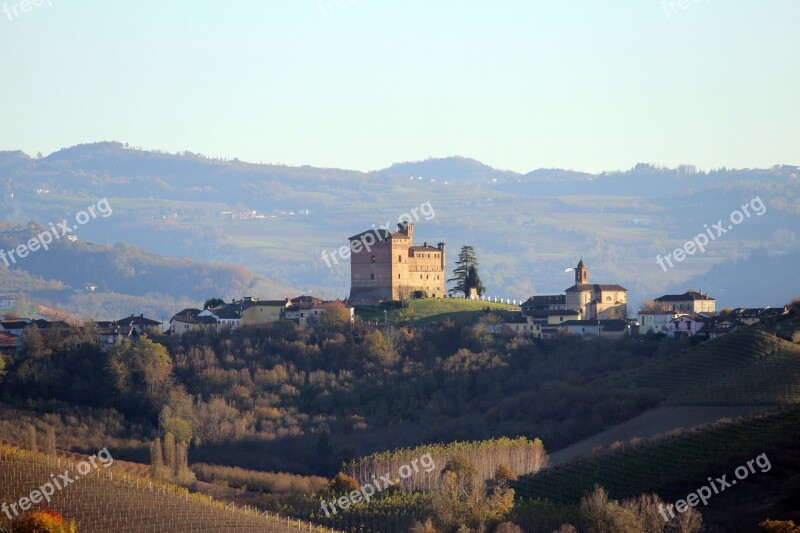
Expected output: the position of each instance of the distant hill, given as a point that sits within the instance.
(127, 279)
(457, 169)
(276, 220)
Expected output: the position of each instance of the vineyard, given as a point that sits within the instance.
(669, 463)
(747, 367)
(104, 501)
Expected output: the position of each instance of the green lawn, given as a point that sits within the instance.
(430, 310)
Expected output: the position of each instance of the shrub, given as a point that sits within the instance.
(43, 522)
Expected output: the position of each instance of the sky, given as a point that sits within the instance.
(589, 85)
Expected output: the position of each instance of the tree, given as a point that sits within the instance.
(156, 459)
(170, 454)
(343, 484)
(652, 306)
(335, 319)
(465, 275)
(32, 438)
(464, 501)
(46, 520)
(213, 303)
(141, 375)
(50, 442)
(778, 526)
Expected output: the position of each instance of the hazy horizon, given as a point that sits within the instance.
(588, 86)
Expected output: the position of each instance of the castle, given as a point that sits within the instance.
(385, 265)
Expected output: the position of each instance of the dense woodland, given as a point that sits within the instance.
(305, 401)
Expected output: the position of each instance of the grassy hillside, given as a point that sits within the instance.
(431, 310)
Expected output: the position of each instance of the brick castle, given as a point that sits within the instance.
(385, 265)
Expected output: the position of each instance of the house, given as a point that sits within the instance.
(255, 311)
(140, 324)
(721, 326)
(774, 312)
(552, 317)
(548, 302)
(15, 327)
(613, 328)
(9, 343)
(305, 310)
(228, 316)
(688, 325)
(688, 302)
(188, 320)
(754, 315)
(655, 321)
(516, 324)
(386, 265)
(109, 333)
(595, 301)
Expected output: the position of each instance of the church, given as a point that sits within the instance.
(598, 301)
(590, 301)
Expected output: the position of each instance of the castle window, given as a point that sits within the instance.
(399, 258)
(398, 276)
(372, 276)
(373, 258)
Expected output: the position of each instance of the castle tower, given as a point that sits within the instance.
(581, 274)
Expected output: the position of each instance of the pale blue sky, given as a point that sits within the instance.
(590, 85)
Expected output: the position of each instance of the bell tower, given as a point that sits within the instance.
(581, 273)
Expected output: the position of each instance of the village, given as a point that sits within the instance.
(391, 268)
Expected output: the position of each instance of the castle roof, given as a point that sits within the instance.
(580, 264)
(379, 234)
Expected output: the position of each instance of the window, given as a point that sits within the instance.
(373, 258)
(398, 276)
(399, 258)
(372, 276)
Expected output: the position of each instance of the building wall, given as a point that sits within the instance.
(578, 301)
(261, 314)
(693, 306)
(425, 272)
(392, 270)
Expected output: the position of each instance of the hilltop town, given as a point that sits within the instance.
(386, 266)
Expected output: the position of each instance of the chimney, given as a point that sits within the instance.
(425, 244)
